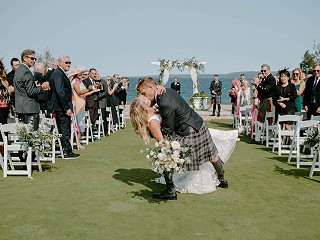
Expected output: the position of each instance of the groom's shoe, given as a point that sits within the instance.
(223, 183)
(166, 195)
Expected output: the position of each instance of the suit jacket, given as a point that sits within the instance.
(10, 77)
(177, 116)
(90, 99)
(121, 93)
(176, 87)
(266, 86)
(310, 95)
(26, 91)
(103, 94)
(61, 91)
(216, 86)
(40, 79)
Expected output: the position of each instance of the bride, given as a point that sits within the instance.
(146, 122)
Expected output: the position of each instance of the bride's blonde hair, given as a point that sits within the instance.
(139, 118)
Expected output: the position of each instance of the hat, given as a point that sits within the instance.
(235, 81)
(78, 69)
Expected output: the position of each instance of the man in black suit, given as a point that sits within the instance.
(92, 101)
(15, 63)
(215, 89)
(181, 122)
(26, 92)
(311, 99)
(62, 103)
(175, 85)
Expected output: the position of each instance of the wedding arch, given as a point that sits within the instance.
(195, 67)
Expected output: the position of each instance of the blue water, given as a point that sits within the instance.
(186, 86)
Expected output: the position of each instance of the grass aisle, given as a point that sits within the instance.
(106, 194)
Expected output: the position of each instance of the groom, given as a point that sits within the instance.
(185, 125)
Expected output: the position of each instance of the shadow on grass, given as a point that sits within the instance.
(140, 176)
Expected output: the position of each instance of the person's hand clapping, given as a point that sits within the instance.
(45, 86)
(69, 112)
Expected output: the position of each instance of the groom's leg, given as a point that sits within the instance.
(217, 164)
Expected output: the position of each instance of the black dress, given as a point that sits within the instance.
(288, 91)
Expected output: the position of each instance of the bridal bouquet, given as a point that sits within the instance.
(39, 140)
(313, 139)
(168, 156)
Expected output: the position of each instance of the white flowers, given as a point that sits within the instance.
(168, 156)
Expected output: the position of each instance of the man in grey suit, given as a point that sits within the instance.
(26, 92)
(181, 122)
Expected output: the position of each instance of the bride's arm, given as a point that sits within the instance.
(155, 130)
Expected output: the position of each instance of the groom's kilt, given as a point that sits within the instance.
(202, 145)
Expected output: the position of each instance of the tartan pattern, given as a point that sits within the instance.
(216, 99)
(202, 145)
(265, 106)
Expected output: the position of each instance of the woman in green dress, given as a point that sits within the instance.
(297, 80)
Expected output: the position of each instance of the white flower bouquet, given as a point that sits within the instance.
(168, 157)
(313, 139)
(40, 140)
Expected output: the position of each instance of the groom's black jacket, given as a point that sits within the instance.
(177, 116)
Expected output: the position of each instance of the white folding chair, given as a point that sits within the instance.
(248, 119)
(88, 129)
(268, 128)
(12, 145)
(298, 141)
(254, 124)
(74, 134)
(315, 166)
(121, 116)
(109, 120)
(50, 123)
(281, 135)
(99, 123)
(317, 118)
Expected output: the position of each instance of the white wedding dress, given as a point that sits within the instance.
(204, 180)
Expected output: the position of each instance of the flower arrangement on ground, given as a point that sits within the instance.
(203, 97)
(313, 139)
(168, 157)
(40, 140)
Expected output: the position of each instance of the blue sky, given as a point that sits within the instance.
(125, 36)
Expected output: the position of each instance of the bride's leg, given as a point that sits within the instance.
(217, 164)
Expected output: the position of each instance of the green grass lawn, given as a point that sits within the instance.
(106, 194)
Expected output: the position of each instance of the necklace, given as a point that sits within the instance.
(283, 91)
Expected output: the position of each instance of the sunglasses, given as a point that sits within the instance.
(32, 58)
(263, 71)
(85, 74)
(318, 71)
(296, 74)
(67, 62)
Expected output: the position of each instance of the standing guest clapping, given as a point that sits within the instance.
(297, 80)
(26, 91)
(92, 101)
(62, 103)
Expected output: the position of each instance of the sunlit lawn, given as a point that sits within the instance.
(106, 194)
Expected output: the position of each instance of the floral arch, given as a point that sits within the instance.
(194, 68)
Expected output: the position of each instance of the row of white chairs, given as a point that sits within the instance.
(285, 141)
(12, 145)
